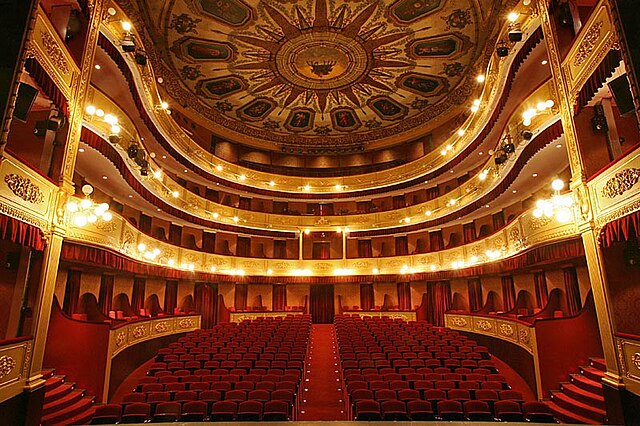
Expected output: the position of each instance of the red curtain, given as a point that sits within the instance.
(367, 301)
(498, 220)
(72, 292)
(240, 297)
(433, 193)
(105, 298)
(421, 247)
(279, 297)
(542, 293)
(42, 79)
(209, 242)
(399, 202)
(598, 79)
(322, 303)
(469, 232)
(474, 285)
(243, 247)
(572, 290)
(508, 293)
(439, 301)
(436, 242)
(404, 296)
(175, 234)
(321, 250)
(364, 248)
(279, 249)
(622, 229)
(245, 203)
(170, 296)
(205, 297)
(21, 233)
(137, 295)
(402, 246)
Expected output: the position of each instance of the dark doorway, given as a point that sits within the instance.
(322, 304)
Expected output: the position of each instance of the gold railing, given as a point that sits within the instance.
(244, 316)
(403, 315)
(15, 362)
(628, 348)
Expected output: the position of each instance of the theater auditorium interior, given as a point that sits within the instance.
(319, 211)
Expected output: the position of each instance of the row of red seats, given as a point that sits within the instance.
(221, 386)
(435, 395)
(236, 395)
(355, 375)
(426, 384)
(225, 365)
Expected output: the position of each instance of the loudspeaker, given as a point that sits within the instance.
(13, 259)
(502, 51)
(621, 92)
(24, 101)
(141, 59)
(501, 159)
(599, 121)
(631, 253)
(515, 36)
(527, 135)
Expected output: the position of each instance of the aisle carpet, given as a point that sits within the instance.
(322, 388)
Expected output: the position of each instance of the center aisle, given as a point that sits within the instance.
(321, 396)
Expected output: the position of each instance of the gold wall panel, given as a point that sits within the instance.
(629, 359)
(15, 360)
(403, 315)
(249, 316)
(515, 332)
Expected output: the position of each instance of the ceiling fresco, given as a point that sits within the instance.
(319, 72)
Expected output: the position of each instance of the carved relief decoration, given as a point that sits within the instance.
(484, 325)
(56, 55)
(7, 364)
(161, 327)
(24, 188)
(524, 335)
(120, 338)
(588, 44)
(186, 323)
(458, 322)
(539, 222)
(139, 331)
(506, 329)
(621, 182)
(635, 359)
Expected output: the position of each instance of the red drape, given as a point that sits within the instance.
(205, 297)
(245, 203)
(21, 233)
(175, 234)
(209, 242)
(72, 291)
(542, 293)
(623, 229)
(399, 202)
(598, 79)
(137, 295)
(364, 248)
(243, 247)
(279, 249)
(433, 193)
(508, 293)
(404, 296)
(170, 296)
(436, 242)
(421, 247)
(498, 220)
(469, 232)
(321, 303)
(47, 85)
(279, 297)
(439, 301)
(105, 298)
(240, 297)
(474, 285)
(402, 246)
(321, 250)
(367, 301)
(572, 290)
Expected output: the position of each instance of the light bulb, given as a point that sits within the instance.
(126, 25)
(157, 174)
(80, 220)
(557, 185)
(563, 215)
(164, 105)
(272, 183)
(461, 132)
(142, 247)
(550, 103)
(92, 218)
(72, 206)
(526, 122)
(115, 129)
(85, 204)
(537, 213)
(110, 119)
(91, 110)
(175, 194)
(107, 216)
(513, 16)
(541, 106)
(475, 108)
(156, 251)
(99, 112)
(480, 78)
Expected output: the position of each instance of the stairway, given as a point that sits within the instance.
(581, 400)
(63, 403)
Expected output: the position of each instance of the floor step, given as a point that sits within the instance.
(58, 392)
(68, 413)
(598, 363)
(587, 384)
(592, 373)
(53, 382)
(583, 396)
(62, 403)
(48, 373)
(567, 416)
(577, 407)
(82, 418)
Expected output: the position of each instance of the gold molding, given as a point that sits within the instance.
(621, 182)
(24, 188)
(54, 52)
(588, 44)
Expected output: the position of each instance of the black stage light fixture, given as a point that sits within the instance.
(141, 58)
(114, 139)
(501, 159)
(515, 35)
(527, 135)
(508, 148)
(132, 151)
(128, 45)
(502, 50)
(599, 121)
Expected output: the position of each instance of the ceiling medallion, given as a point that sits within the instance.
(318, 73)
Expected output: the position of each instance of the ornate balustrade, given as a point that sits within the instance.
(403, 315)
(15, 362)
(244, 316)
(628, 348)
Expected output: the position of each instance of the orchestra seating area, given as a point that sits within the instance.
(398, 370)
(235, 371)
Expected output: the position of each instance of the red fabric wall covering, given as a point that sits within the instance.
(21, 233)
(528, 46)
(544, 138)
(321, 250)
(364, 248)
(439, 301)
(104, 147)
(623, 229)
(474, 286)
(322, 303)
(436, 242)
(47, 85)
(279, 297)
(498, 220)
(469, 232)
(137, 294)
(240, 297)
(596, 80)
(223, 314)
(367, 301)
(402, 246)
(404, 296)
(105, 298)
(508, 293)
(572, 290)
(205, 298)
(170, 296)
(542, 292)
(72, 291)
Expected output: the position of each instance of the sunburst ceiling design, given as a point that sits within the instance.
(319, 73)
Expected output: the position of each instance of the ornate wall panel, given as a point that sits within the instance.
(15, 360)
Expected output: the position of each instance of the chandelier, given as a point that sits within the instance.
(86, 211)
(558, 206)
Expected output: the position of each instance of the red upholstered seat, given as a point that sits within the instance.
(249, 411)
(223, 411)
(368, 410)
(194, 411)
(450, 410)
(107, 414)
(508, 411)
(276, 411)
(538, 412)
(167, 412)
(138, 412)
(394, 410)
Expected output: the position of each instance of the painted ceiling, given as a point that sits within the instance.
(319, 73)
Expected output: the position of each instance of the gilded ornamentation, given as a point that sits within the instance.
(621, 182)
(635, 359)
(56, 55)
(588, 44)
(105, 226)
(24, 188)
(139, 331)
(538, 222)
(120, 338)
(523, 334)
(506, 329)
(484, 325)
(7, 364)
(162, 326)
(458, 322)
(186, 323)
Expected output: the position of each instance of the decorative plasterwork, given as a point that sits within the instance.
(621, 182)
(7, 364)
(588, 43)
(24, 188)
(484, 325)
(55, 52)
(458, 321)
